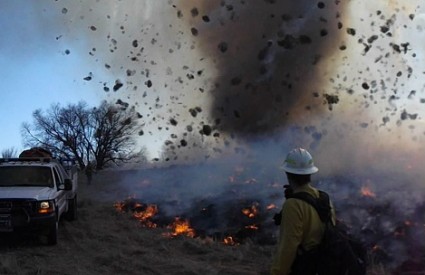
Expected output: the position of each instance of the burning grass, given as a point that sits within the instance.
(392, 230)
(180, 227)
(149, 215)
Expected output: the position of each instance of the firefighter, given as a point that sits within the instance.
(301, 229)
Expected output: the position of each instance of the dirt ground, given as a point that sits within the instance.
(104, 241)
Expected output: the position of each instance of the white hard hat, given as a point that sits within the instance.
(299, 162)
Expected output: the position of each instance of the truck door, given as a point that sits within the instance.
(61, 194)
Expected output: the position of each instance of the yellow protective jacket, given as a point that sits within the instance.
(300, 225)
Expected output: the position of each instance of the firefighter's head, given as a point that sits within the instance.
(299, 166)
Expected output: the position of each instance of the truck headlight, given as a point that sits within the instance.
(45, 207)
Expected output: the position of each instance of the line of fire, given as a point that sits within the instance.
(242, 224)
(244, 213)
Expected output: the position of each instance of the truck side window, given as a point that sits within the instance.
(57, 178)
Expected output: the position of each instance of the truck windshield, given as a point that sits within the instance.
(26, 176)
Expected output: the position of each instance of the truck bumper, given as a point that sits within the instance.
(21, 221)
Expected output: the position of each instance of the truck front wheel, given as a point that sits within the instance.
(52, 235)
(71, 214)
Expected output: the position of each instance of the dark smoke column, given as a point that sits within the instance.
(270, 57)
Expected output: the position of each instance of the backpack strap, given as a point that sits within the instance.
(321, 204)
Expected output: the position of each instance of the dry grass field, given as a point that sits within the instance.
(104, 241)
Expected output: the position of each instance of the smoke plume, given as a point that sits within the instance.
(271, 58)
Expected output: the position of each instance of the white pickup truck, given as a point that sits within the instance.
(35, 193)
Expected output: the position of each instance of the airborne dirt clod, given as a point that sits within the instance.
(104, 241)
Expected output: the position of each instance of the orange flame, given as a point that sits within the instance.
(271, 206)
(140, 211)
(251, 212)
(367, 192)
(252, 226)
(229, 241)
(137, 205)
(181, 227)
(144, 216)
(119, 206)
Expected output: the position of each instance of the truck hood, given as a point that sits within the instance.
(25, 192)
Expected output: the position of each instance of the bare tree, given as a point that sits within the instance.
(141, 156)
(58, 130)
(9, 153)
(114, 131)
(102, 135)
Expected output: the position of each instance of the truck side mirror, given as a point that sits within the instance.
(67, 185)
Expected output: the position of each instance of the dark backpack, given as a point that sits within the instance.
(338, 253)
